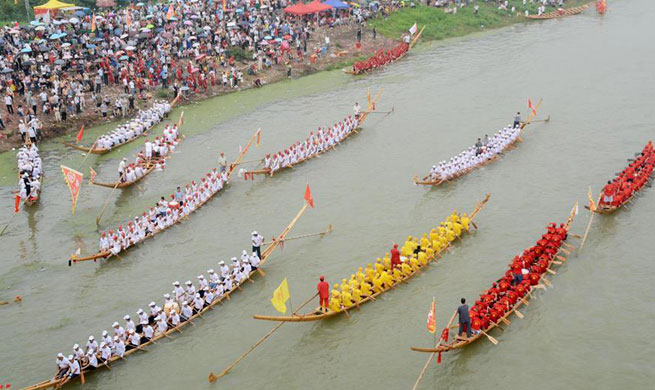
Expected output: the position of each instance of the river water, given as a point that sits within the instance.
(595, 76)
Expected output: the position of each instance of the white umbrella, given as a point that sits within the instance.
(65, 44)
(74, 20)
(130, 48)
(40, 28)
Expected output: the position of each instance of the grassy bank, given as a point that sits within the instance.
(440, 25)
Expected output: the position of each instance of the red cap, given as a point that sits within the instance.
(322, 278)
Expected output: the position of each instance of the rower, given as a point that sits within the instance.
(148, 334)
(91, 344)
(257, 241)
(222, 162)
(133, 340)
(129, 324)
(323, 288)
(63, 365)
(105, 352)
(143, 320)
(357, 110)
(254, 260)
(464, 319)
(186, 312)
(74, 367)
(121, 169)
(119, 346)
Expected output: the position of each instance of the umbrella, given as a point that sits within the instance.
(287, 37)
(27, 63)
(167, 35)
(140, 4)
(150, 16)
(65, 44)
(90, 46)
(79, 13)
(54, 36)
(150, 26)
(7, 70)
(67, 57)
(59, 62)
(188, 22)
(145, 30)
(123, 58)
(124, 36)
(26, 50)
(194, 16)
(40, 28)
(207, 28)
(268, 37)
(264, 43)
(130, 48)
(36, 23)
(74, 20)
(13, 31)
(191, 38)
(278, 39)
(173, 19)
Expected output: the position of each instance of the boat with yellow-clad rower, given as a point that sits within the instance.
(370, 282)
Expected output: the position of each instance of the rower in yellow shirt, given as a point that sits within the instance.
(379, 268)
(454, 217)
(406, 269)
(357, 295)
(370, 273)
(366, 289)
(335, 304)
(346, 299)
(344, 285)
(433, 235)
(465, 221)
(425, 243)
(386, 262)
(360, 275)
(397, 274)
(386, 279)
(414, 261)
(377, 284)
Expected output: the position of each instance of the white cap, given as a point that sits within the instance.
(115, 324)
(254, 233)
(104, 333)
(90, 338)
(167, 296)
(210, 271)
(244, 252)
(200, 277)
(115, 338)
(70, 357)
(173, 311)
(246, 261)
(103, 344)
(221, 263)
(188, 282)
(184, 303)
(157, 318)
(140, 311)
(60, 355)
(234, 259)
(176, 283)
(197, 295)
(151, 304)
(76, 346)
(126, 317)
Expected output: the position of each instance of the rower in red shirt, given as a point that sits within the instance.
(323, 288)
(395, 256)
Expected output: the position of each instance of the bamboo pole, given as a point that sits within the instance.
(213, 378)
(328, 230)
(420, 377)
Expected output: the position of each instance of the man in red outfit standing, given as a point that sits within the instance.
(395, 256)
(323, 288)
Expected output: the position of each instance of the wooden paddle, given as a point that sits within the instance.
(493, 340)
(213, 378)
(327, 231)
(518, 313)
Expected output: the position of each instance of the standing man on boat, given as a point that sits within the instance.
(222, 162)
(257, 241)
(395, 256)
(517, 120)
(464, 319)
(358, 110)
(323, 288)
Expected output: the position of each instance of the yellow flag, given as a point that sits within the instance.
(281, 296)
(592, 205)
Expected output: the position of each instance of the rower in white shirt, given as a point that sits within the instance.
(186, 311)
(254, 260)
(148, 334)
(134, 340)
(161, 325)
(105, 352)
(63, 365)
(129, 324)
(119, 346)
(91, 344)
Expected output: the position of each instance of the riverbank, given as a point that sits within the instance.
(442, 23)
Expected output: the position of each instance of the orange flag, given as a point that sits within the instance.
(93, 173)
(80, 134)
(308, 196)
(127, 18)
(74, 181)
(93, 22)
(592, 204)
(432, 323)
(259, 137)
(17, 204)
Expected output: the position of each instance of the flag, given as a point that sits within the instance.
(432, 324)
(93, 174)
(259, 137)
(80, 134)
(127, 18)
(308, 196)
(74, 181)
(224, 6)
(281, 296)
(413, 29)
(170, 13)
(592, 204)
(531, 107)
(17, 204)
(93, 22)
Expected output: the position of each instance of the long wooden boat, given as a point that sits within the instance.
(458, 342)
(317, 315)
(608, 209)
(369, 109)
(266, 253)
(557, 14)
(509, 146)
(148, 168)
(107, 254)
(411, 44)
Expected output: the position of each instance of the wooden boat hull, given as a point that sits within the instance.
(435, 183)
(127, 183)
(317, 315)
(86, 148)
(411, 44)
(555, 15)
(355, 131)
(266, 253)
(461, 343)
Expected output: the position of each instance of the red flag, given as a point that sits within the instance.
(439, 358)
(259, 137)
(432, 324)
(308, 196)
(74, 181)
(529, 103)
(80, 133)
(17, 205)
(93, 174)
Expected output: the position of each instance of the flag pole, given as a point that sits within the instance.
(213, 378)
(108, 198)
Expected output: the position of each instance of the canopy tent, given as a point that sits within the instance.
(336, 4)
(317, 6)
(298, 9)
(51, 6)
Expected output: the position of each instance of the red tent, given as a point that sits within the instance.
(299, 9)
(317, 6)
